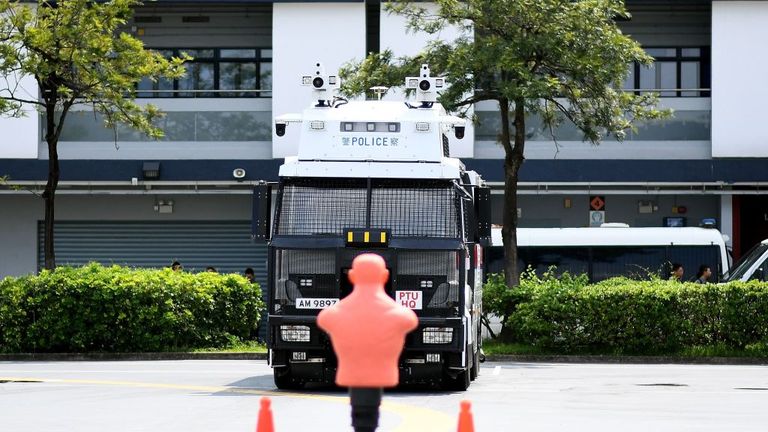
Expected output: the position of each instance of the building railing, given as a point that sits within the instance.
(672, 92)
(691, 121)
(186, 126)
(197, 93)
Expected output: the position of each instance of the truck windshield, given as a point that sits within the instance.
(746, 262)
(408, 208)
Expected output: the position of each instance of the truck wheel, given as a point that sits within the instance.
(284, 379)
(460, 383)
(462, 380)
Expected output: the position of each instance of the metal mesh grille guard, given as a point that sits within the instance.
(311, 273)
(406, 208)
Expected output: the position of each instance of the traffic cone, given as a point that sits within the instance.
(265, 423)
(466, 424)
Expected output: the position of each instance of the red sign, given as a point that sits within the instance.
(597, 203)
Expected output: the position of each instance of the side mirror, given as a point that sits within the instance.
(262, 212)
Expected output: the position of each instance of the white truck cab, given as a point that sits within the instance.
(375, 176)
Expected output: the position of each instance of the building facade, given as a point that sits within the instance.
(127, 199)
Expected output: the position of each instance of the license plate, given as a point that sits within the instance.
(315, 303)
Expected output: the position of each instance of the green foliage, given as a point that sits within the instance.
(78, 54)
(562, 59)
(96, 308)
(625, 316)
(502, 301)
(236, 346)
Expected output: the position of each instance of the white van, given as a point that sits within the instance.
(753, 265)
(616, 250)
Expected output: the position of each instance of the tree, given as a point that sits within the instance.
(77, 54)
(562, 60)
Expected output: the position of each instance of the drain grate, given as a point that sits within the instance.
(19, 381)
(662, 385)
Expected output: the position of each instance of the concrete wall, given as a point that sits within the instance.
(19, 136)
(20, 214)
(306, 33)
(738, 65)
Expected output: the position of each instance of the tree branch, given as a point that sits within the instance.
(64, 111)
(475, 99)
(13, 98)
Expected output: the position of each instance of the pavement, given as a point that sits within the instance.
(524, 358)
(223, 395)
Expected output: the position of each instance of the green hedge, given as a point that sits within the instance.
(96, 308)
(627, 316)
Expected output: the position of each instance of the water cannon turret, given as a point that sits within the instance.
(325, 87)
(426, 86)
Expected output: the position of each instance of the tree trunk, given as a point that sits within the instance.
(513, 160)
(49, 195)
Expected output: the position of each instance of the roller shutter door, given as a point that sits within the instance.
(227, 246)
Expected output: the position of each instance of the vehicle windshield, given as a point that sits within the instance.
(746, 262)
(408, 208)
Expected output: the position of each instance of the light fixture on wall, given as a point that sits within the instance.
(164, 206)
(645, 207)
(150, 170)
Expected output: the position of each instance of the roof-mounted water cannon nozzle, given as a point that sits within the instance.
(325, 87)
(426, 86)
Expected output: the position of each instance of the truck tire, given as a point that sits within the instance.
(284, 379)
(462, 380)
(460, 383)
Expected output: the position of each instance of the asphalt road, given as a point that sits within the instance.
(223, 395)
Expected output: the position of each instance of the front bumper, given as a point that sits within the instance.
(315, 361)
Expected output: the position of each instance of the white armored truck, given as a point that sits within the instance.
(375, 176)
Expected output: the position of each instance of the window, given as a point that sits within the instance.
(676, 72)
(637, 262)
(216, 72)
(410, 208)
(574, 260)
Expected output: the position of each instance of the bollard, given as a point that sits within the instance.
(466, 423)
(367, 330)
(265, 422)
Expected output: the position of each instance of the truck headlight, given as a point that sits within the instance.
(437, 335)
(294, 333)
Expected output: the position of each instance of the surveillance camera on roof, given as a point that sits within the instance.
(425, 85)
(323, 85)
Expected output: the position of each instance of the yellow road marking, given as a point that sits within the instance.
(413, 418)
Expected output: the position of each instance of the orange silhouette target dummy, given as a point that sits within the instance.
(367, 330)
(367, 327)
